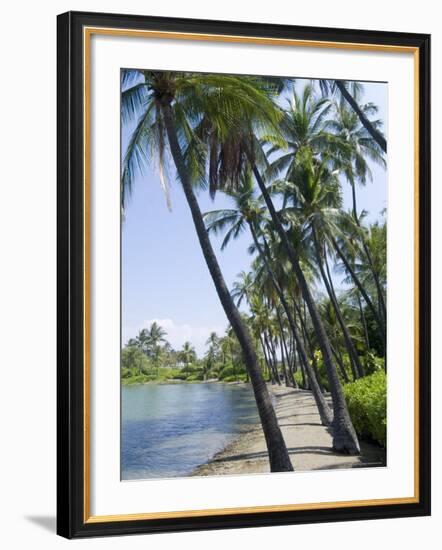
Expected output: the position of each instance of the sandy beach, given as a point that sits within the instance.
(309, 443)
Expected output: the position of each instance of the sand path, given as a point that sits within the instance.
(309, 443)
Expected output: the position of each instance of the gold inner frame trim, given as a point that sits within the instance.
(87, 33)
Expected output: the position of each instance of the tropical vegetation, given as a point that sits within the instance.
(311, 310)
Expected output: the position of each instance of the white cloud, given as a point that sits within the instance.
(178, 334)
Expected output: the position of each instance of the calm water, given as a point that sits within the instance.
(168, 430)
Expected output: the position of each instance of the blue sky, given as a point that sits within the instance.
(164, 275)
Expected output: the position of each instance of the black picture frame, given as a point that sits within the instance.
(71, 521)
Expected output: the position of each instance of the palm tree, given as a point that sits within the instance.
(154, 337)
(243, 287)
(346, 244)
(190, 113)
(368, 125)
(247, 214)
(315, 196)
(350, 92)
(142, 340)
(133, 343)
(344, 435)
(263, 325)
(187, 354)
(212, 353)
(355, 166)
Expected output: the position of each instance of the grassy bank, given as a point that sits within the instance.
(170, 375)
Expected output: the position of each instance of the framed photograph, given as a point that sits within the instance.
(243, 274)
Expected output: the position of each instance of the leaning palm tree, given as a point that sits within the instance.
(344, 436)
(249, 154)
(347, 245)
(350, 92)
(362, 145)
(315, 198)
(185, 114)
(248, 213)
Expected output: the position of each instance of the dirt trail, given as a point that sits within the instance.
(309, 443)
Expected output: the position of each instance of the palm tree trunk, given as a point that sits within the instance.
(273, 345)
(308, 342)
(287, 381)
(340, 363)
(324, 410)
(377, 136)
(364, 294)
(266, 359)
(354, 357)
(305, 383)
(285, 350)
(270, 355)
(278, 455)
(292, 358)
(377, 282)
(364, 323)
(302, 319)
(345, 439)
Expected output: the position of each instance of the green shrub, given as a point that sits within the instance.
(372, 363)
(235, 378)
(298, 378)
(138, 379)
(171, 373)
(195, 377)
(226, 372)
(189, 368)
(150, 372)
(134, 358)
(367, 404)
(180, 376)
(321, 368)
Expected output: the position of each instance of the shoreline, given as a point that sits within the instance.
(308, 442)
(174, 382)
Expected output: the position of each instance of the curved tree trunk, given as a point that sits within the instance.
(340, 363)
(305, 336)
(305, 382)
(266, 360)
(377, 282)
(278, 455)
(364, 323)
(354, 358)
(271, 356)
(345, 439)
(287, 380)
(293, 361)
(377, 136)
(353, 354)
(283, 351)
(355, 278)
(324, 410)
